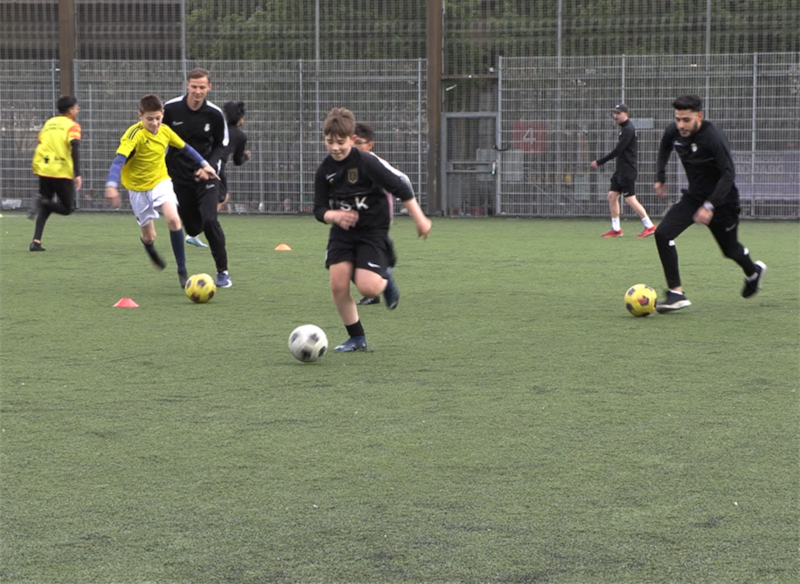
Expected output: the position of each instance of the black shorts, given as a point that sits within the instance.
(623, 184)
(368, 251)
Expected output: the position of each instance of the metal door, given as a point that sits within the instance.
(469, 169)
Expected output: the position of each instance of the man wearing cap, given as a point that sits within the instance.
(623, 181)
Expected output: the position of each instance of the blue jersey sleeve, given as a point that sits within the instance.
(115, 171)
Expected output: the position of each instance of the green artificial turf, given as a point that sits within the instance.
(513, 423)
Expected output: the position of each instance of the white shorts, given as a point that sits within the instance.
(145, 204)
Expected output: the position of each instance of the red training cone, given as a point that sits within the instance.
(126, 303)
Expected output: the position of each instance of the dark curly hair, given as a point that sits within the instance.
(234, 111)
(66, 103)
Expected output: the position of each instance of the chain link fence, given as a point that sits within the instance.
(555, 118)
(545, 120)
(286, 103)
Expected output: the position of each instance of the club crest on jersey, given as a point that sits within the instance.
(207, 128)
(352, 176)
(694, 147)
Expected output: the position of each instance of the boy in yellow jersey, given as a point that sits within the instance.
(56, 162)
(145, 176)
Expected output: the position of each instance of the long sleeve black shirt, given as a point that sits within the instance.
(204, 130)
(237, 140)
(358, 183)
(626, 150)
(707, 160)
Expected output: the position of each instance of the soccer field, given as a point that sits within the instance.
(513, 423)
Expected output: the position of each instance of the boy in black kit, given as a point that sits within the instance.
(201, 124)
(237, 141)
(349, 195)
(712, 198)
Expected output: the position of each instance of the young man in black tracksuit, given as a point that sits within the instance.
(623, 181)
(202, 125)
(350, 195)
(712, 198)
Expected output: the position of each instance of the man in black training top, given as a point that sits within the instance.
(201, 124)
(712, 198)
(623, 181)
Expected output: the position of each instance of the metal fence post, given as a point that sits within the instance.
(66, 43)
(301, 137)
(498, 141)
(420, 65)
(753, 123)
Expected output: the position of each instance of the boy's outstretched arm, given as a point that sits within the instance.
(205, 171)
(422, 221)
(112, 181)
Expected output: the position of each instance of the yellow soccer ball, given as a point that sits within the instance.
(200, 288)
(640, 300)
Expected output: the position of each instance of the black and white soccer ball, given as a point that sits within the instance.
(308, 343)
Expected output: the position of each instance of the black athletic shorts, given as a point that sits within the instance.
(368, 251)
(623, 184)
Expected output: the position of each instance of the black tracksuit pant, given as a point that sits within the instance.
(197, 207)
(724, 227)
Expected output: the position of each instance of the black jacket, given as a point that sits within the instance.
(626, 150)
(237, 140)
(707, 160)
(204, 130)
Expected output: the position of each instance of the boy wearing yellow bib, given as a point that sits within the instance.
(56, 161)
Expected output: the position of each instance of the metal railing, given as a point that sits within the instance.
(286, 103)
(552, 118)
(556, 118)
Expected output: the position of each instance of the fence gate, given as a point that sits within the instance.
(469, 164)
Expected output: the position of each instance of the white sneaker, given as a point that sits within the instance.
(195, 241)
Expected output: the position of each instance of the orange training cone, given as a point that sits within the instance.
(126, 303)
(283, 247)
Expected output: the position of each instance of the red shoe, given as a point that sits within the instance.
(613, 233)
(647, 232)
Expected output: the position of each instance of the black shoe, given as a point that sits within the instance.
(182, 277)
(35, 246)
(153, 255)
(391, 293)
(753, 284)
(156, 259)
(673, 301)
(352, 344)
(367, 300)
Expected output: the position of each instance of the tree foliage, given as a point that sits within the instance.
(476, 32)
